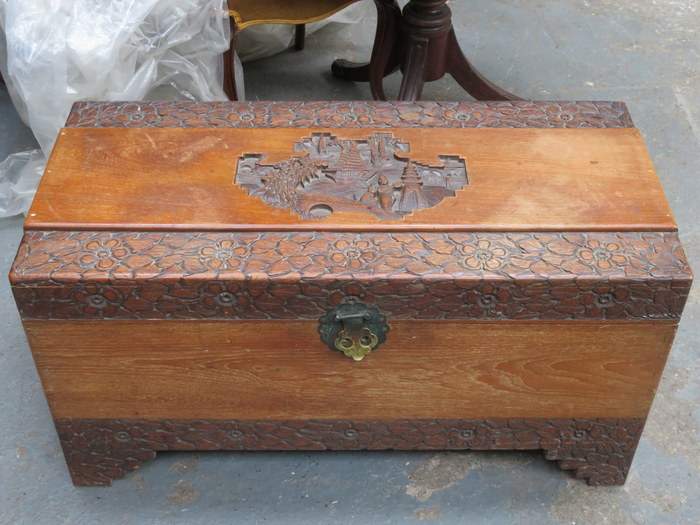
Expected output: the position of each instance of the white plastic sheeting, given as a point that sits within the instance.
(20, 174)
(60, 51)
(56, 52)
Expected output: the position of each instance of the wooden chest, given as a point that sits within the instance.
(304, 276)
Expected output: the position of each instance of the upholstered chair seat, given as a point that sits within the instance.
(246, 13)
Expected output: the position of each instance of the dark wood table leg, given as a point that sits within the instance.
(469, 77)
(299, 36)
(431, 50)
(423, 42)
(386, 53)
(230, 68)
(425, 30)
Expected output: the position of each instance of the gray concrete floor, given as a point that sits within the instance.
(645, 53)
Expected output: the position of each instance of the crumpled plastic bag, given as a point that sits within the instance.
(20, 174)
(61, 51)
(56, 52)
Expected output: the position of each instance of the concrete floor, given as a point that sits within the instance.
(645, 53)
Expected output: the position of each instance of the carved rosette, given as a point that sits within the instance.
(101, 450)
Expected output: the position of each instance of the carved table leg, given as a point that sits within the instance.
(469, 77)
(98, 451)
(422, 41)
(431, 50)
(386, 54)
(426, 26)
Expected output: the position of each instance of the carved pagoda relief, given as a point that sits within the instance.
(333, 174)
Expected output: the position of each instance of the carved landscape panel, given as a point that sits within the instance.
(330, 174)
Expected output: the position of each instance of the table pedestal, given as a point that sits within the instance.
(422, 43)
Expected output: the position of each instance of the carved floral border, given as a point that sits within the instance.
(98, 451)
(496, 114)
(301, 275)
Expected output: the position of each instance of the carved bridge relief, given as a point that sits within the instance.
(335, 174)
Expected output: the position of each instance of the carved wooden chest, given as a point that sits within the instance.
(277, 276)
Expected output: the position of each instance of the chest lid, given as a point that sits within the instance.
(350, 167)
(489, 211)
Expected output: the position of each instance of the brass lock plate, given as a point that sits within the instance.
(354, 329)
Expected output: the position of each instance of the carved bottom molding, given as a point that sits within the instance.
(98, 451)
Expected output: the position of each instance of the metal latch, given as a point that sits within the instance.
(354, 329)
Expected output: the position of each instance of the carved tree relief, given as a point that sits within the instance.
(334, 174)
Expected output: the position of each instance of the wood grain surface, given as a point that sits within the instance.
(182, 179)
(280, 370)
